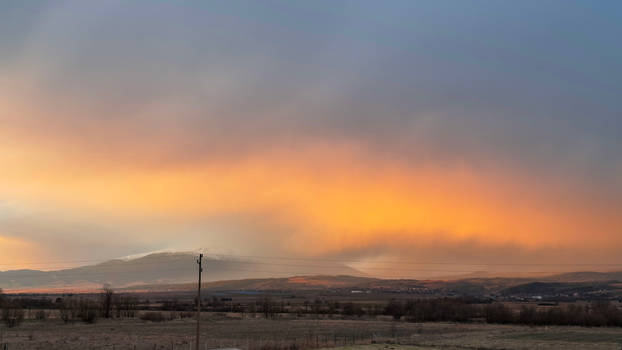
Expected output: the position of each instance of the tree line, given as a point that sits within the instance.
(599, 313)
(108, 304)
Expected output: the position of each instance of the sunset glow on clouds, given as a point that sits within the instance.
(330, 130)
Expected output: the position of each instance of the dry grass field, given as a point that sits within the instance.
(220, 331)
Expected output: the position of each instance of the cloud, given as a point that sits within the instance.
(283, 135)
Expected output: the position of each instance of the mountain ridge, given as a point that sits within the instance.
(177, 271)
(156, 268)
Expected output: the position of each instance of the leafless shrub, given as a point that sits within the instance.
(41, 315)
(153, 316)
(187, 314)
(68, 310)
(125, 305)
(12, 314)
(87, 311)
(72, 309)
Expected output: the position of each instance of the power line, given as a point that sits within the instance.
(353, 261)
(418, 262)
(137, 267)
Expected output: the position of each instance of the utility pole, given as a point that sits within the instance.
(200, 262)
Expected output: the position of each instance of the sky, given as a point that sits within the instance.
(442, 132)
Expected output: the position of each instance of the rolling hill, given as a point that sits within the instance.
(155, 269)
(178, 272)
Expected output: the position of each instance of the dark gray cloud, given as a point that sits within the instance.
(531, 83)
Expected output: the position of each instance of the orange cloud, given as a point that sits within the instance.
(332, 196)
(336, 195)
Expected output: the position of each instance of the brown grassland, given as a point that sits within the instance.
(222, 330)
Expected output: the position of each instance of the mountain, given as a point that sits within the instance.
(587, 276)
(178, 272)
(158, 268)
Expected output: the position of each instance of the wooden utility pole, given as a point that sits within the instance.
(200, 262)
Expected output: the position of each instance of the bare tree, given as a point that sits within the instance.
(68, 309)
(106, 300)
(87, 310)
(268, 308)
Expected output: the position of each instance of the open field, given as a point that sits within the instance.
(221, 330)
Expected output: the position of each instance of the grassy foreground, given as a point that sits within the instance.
(383, 347)
(302, 334)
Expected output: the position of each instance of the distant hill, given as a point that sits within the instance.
(157, 268)
(587, 276)
(557, 288)
(344, 282)
(467, 287)
(317, 282)
(178, 272)
(489, 274)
